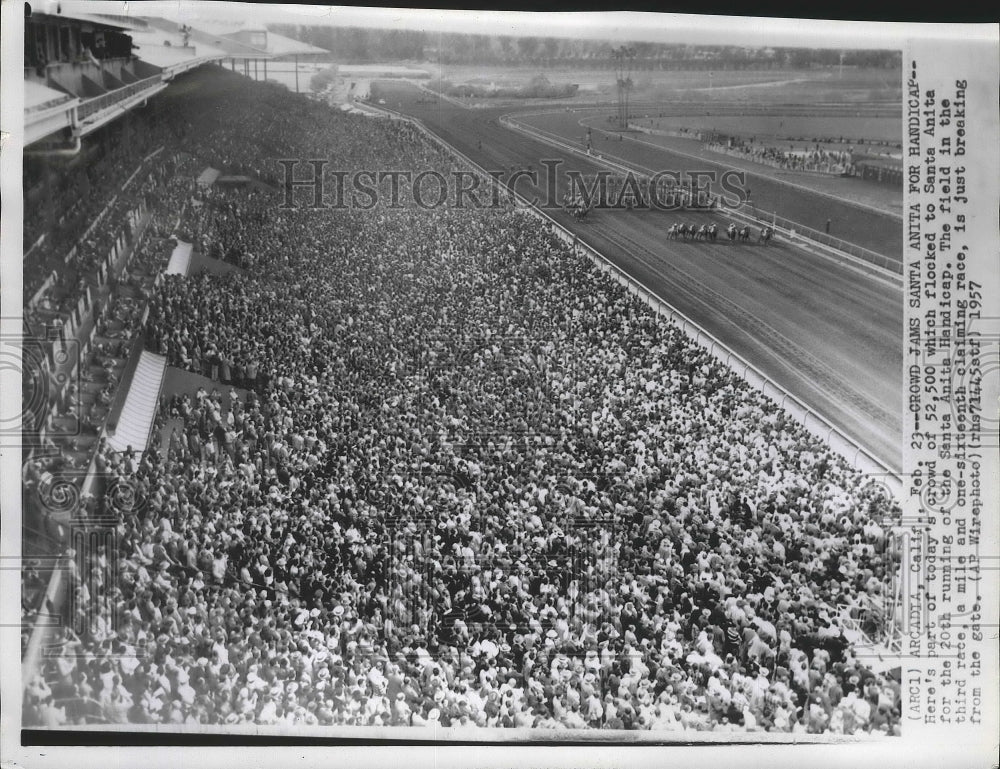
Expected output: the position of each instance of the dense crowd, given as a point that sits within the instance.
(69, 401)
(817, 158)
(450, 474)
(65, 198)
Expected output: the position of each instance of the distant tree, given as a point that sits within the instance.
(506, 47)
(457, 48)
(357, 44)
(550, 47)
(364, 45)
(527, 47)
(322, 79)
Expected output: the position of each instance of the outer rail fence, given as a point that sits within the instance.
(856, 455)
(785, 227)
(791, 229)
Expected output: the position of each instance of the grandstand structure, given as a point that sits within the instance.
(87, 380)
(82, 71)
(163, 312)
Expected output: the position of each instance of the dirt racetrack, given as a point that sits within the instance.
(856, 224)
(827, 332)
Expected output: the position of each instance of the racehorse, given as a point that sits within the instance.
(576, 206)
(713, 232)
(682, 230)
(731, 232)
(745, 234)
(765, 235)
(673, 232)
(693, 231)
(702, 233)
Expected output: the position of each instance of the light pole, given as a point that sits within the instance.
(624, 58)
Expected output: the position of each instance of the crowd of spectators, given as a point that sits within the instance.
(69, 399)
(450, 474)
(817, 158)
(66, 197)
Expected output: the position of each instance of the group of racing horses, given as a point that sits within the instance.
(578, 209)
(711, 232)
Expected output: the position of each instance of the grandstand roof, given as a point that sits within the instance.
(229, 32)
(203, 35)
(166, 49)
(279, 45)
(52, 8)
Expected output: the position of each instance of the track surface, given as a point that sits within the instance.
(824, 331)
(856, 224)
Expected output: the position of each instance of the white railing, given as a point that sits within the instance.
(111, 98)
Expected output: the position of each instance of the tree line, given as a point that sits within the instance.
(362, 45)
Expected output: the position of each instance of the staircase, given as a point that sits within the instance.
(180, 259)
(879, 656)
(136, 421)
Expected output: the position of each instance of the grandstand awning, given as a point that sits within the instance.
(39, 97)
(46, 111)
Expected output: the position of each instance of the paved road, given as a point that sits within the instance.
(828, 333)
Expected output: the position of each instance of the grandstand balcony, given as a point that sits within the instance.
(80, 72)
(95, 112)
(46, 111)
(100, 90)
